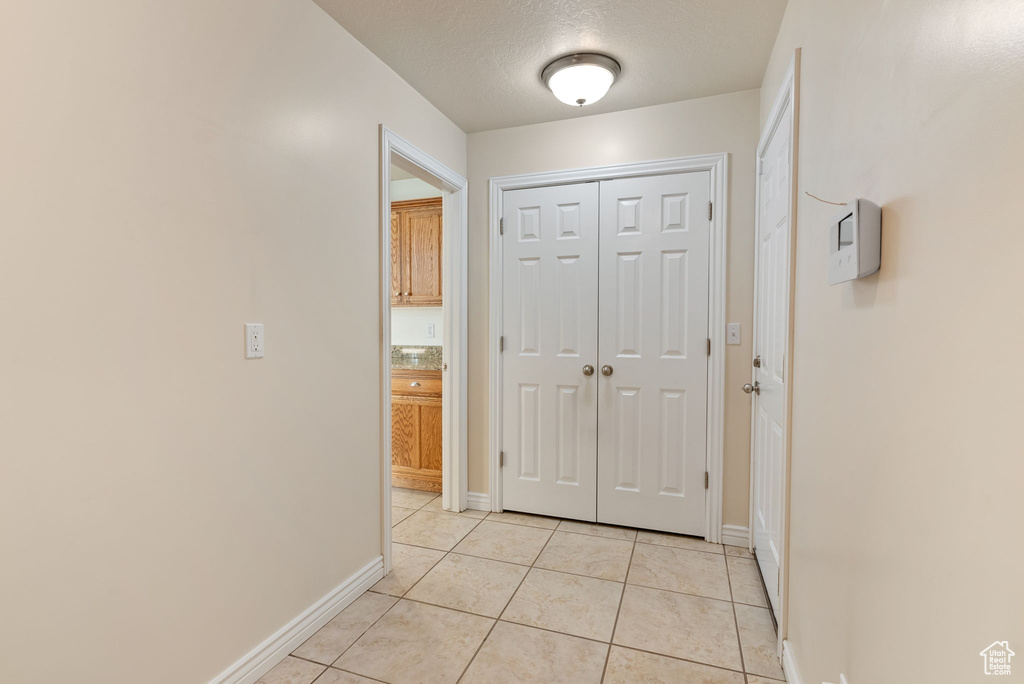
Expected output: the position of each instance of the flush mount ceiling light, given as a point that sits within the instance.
(581, 79)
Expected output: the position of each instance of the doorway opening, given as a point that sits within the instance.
(423, 232)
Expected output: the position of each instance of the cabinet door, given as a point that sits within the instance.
(421, 254)
(405, 433)
(430, 436)
(396, 258)
(416, 443)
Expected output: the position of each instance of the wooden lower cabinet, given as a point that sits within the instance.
(416, 430)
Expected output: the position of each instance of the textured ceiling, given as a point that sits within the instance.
(479, 61)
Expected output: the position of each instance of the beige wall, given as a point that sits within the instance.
(725, 123)
(170, 171)
(906, 458)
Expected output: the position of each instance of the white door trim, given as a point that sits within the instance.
(718, 165)
(454, 422)
(787, 99)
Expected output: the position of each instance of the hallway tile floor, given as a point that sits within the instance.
(508, 597)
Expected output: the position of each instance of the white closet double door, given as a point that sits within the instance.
(604, 367)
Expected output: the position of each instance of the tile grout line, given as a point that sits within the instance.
(575, 574)
(354, 674)
(439, 560)
(305, 660)
(623, 582)
(503, 609)
(398, 599)
(476, 652)
(611, 527)
(531, 567)
(635, 540)
(555, 631)
(476, 523)
(618, 611)
(628, 648)
(603, 579)
(685, 660)
(495, 623)
(764, 594)
(608, 643)
(363, 633)
(736, 623)
(446, 553)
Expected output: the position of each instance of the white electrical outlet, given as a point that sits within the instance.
(430, 329)
(732, 333)
(254, 340)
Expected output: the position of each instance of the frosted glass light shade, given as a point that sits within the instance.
(580, 80)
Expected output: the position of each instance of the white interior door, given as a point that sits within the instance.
(549, 310)
(652, 444)
(771, 334)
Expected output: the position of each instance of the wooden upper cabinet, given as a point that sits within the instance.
(416, 239)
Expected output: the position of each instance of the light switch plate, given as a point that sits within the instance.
(732, 333)
(254, 340)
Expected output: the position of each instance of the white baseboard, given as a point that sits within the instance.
(261, 659)
(735, 535)
(476, 501)
(789, 663)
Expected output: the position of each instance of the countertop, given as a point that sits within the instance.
(407, 357)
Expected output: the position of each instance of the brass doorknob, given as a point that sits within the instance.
(607, 370)
(755, 388)
(588, 370)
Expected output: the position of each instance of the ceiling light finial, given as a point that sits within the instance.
(581, 79)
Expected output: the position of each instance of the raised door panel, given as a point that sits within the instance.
(655, 249)
(423, 243)
(549, 322)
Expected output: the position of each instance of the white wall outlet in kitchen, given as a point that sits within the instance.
(254, 340)
(732, 333)
(430, 329)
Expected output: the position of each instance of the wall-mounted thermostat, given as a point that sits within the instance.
(855, 242)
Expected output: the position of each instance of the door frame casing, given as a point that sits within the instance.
(718, 166)
(454, 421)
(788, 98)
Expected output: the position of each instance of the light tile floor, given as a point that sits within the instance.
(507, 597)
